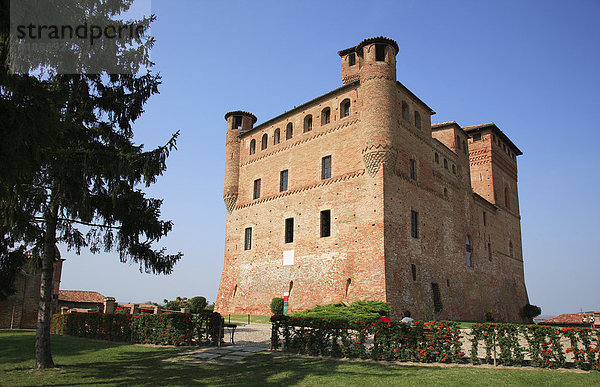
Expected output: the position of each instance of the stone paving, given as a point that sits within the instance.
(249, 340)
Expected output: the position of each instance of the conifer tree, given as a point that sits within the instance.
(70, 172)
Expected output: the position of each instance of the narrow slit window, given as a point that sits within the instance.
(437, 298)
(256, 192)
(345, 108)
(237, 122)
(380, 52)
(417, 120)
(490, 251)
(352, 59)
(283, 180)
(405, 110)
(248, 238)
(413, 169)
(308, 123)
(289, 230)
(264, 142)
(325, 167)
(414, 224)
(325, 223)
(413, 269)
(469, 248)
(325, 116)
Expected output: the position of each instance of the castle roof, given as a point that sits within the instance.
(490, 125)
(242, 113)
(378, 39)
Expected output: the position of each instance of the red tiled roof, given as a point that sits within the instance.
(566, 318)
(80, 296)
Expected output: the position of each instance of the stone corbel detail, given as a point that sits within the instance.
(376, 156)
(230, 202)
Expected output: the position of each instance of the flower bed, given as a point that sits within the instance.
(422, 342)
(434, 341)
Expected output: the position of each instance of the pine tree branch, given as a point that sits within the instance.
(42, 220)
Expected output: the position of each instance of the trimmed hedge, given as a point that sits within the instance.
(544, 345)
(436, 341)
(421, 342)
(162, 329)
(357, 311)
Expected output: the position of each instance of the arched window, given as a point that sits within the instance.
(469, 247)
(276, 137)
(511, 251)
(405, 110)
(507, 197)
(437, 158)
(252, 146)
(289, 131)
(308, 123)
(265, 140)
(345, 108)
(417, 120)
(446, 193)
(325, 116)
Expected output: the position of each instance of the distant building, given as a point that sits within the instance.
(21, 309)
(81, 299)
(572, 319)
(356, 195)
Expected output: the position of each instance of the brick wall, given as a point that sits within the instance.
(371, 194)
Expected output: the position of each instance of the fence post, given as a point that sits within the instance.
(494, 344)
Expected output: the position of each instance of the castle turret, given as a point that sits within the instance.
(237, 122)
(378, 92)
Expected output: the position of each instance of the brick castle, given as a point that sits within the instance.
(356, 195)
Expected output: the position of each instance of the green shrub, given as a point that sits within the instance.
(357, 311)
(530, 311)
(277, 306)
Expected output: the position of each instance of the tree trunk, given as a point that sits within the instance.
(43, 355)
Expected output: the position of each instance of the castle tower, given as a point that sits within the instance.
(237, 122)
(378, 92)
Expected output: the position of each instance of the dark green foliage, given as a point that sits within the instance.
(162, 329)
(195, 304)
(357, 311)
(277, 306)
(530, 311)
(71, 172)
(112, 327)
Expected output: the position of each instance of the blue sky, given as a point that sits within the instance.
(532, 67)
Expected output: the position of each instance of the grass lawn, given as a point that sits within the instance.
(254, 318)
(83, 362)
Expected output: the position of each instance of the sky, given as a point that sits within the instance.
(532, 67)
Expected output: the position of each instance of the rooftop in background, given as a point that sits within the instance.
(80, 296)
